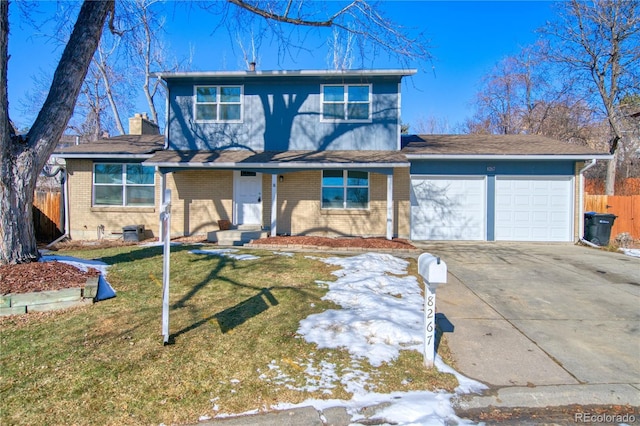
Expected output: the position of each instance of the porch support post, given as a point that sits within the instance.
(390, 206)
(274, 205)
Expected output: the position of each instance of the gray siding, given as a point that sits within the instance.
(282, 115)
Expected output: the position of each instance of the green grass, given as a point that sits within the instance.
(106, 364)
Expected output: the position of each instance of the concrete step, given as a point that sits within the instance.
(235, 237)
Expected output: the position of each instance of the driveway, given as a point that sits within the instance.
(529, 315)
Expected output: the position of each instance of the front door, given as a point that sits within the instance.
(247, 197)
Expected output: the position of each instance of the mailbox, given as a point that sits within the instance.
(432, 269)
(434, 273)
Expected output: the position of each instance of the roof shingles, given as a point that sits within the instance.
(491, 145)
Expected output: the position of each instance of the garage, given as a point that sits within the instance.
(534, 208)
(448, 207)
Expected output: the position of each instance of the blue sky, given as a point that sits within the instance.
(467, 38)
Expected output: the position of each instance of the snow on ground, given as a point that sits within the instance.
(105, 291)
(381, 315)
(283, 253)
(630, 252)
(225, 252)
(368, 294)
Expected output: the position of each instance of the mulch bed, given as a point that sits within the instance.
(369, 243)
(42, 276)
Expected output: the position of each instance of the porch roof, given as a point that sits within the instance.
(230, 159)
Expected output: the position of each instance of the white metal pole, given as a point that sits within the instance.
(166, 228)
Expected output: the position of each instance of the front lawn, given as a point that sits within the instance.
(233, 324)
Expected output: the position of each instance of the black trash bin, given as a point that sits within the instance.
(597, 227)
(133, 232)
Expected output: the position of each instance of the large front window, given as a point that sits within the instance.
(348, 102)
(345, 189)
(117, 184)
(218, 103)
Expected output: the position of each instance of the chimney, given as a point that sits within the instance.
(140, 124)
(252, 66)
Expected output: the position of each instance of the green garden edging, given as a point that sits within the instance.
(50, 300)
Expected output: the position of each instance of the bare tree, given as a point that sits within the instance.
(597, 43)
(22, 158)
(370, 30)
(520, 96)
(430, 125)
(340, 55)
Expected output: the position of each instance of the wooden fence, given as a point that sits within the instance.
(625, 207)
(47, 215)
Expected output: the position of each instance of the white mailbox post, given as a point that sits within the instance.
(434, 272)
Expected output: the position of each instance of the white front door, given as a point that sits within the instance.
(247, 197)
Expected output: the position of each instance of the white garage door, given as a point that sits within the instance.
(448, 207)
(534, 208)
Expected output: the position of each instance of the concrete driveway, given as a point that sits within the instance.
(557, 316)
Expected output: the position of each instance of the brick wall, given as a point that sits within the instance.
(300, 212)
(201, 197)
(84, 219)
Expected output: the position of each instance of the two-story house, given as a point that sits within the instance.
(320, 152)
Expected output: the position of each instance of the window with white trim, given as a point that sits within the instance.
(345, 189)
(219, 104)
(123, 184)
(346, 102)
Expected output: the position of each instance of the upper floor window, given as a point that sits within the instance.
(346, 102)
(345, 189)
(218, 103)
(128, 184)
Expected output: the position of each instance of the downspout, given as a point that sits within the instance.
(65, 196)
(586, 167)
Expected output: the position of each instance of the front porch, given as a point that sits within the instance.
(237, 236)
(357, 193)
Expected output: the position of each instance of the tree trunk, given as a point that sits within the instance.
(22, 159)
(610, 179)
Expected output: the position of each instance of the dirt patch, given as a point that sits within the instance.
(599, 414)
(42, 276)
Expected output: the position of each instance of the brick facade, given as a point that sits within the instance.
(201, 197)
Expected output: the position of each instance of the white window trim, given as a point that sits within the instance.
(218, 103)
(346, 104)
(344, 187)
(122, 185)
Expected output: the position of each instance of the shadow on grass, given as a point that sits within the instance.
(141, 253)
(236, 315)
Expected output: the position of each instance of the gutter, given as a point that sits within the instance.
(494, 157)
(289, 73)
(280, 166)
(104, 155)
(581, 201)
